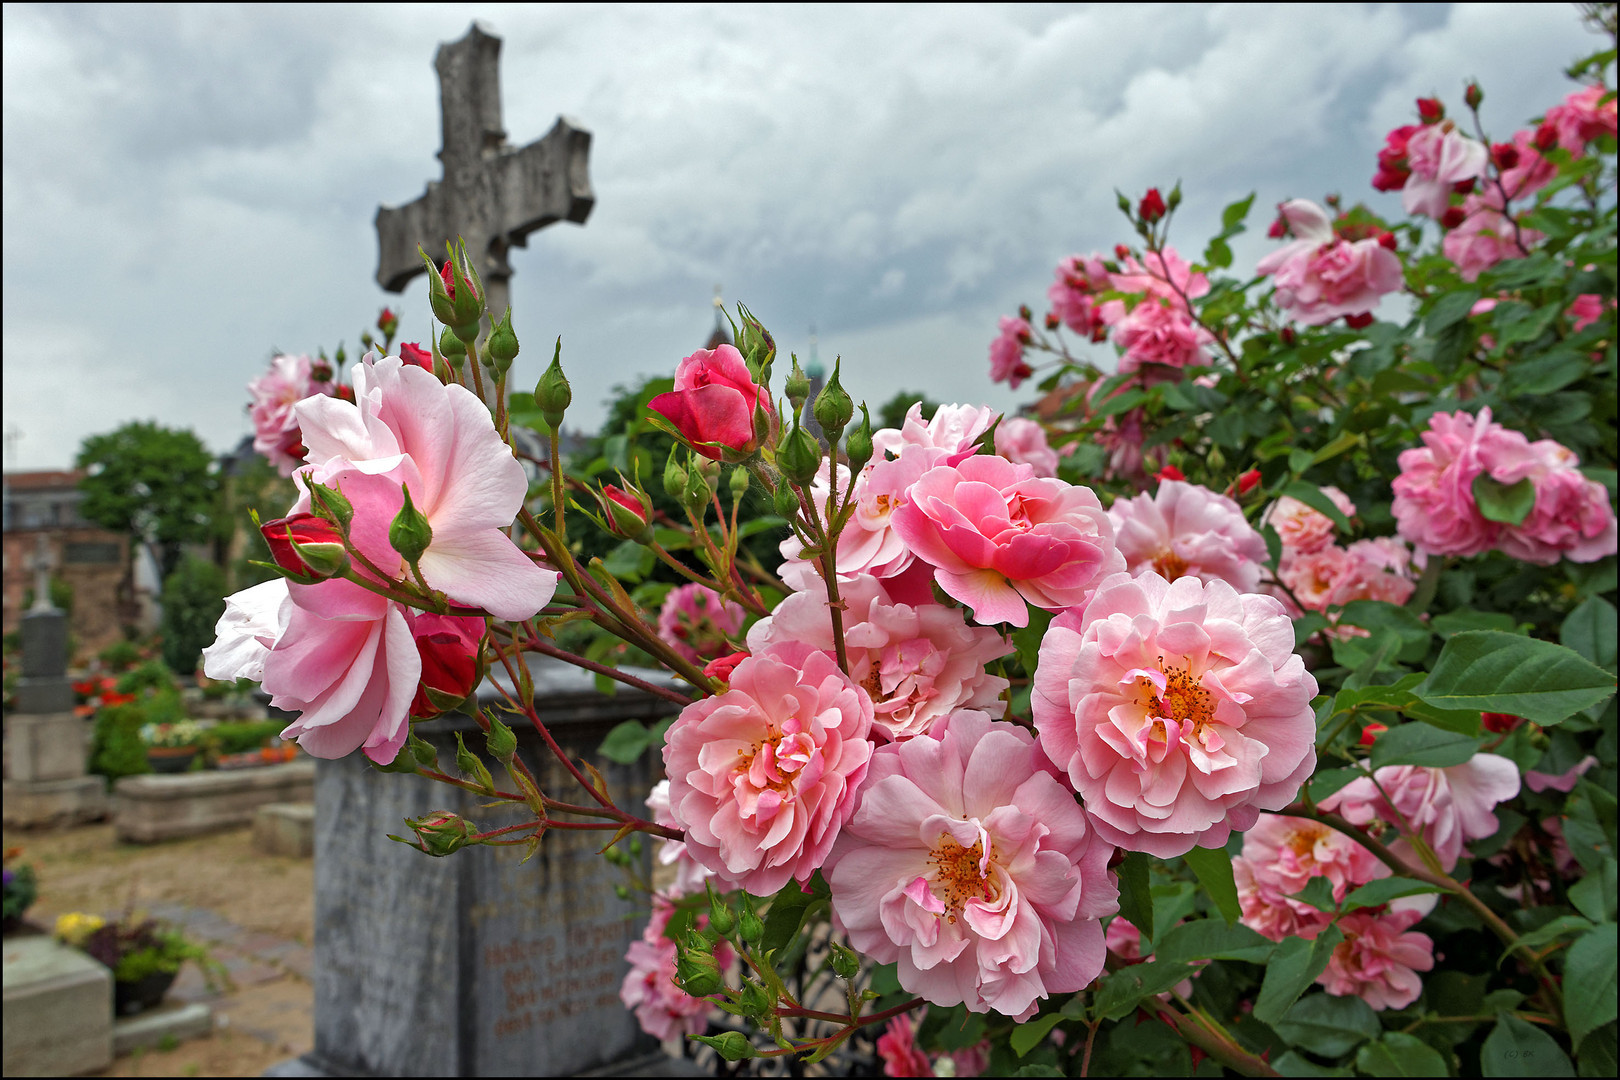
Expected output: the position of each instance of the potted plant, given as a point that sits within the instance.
(170, 747)
(144, 955)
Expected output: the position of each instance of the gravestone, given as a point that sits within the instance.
(493, 195)
(476, 964)
(46, 745)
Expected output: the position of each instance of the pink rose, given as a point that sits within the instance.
(1280, 857)
(901, 1055)
(1571, 517)
(969, 866)
(918, 663)
(999, 536)
(1564, 781)
(1178, 709)
(1162, 275)
(406, 428)
(1393, 171)
(1073, 296)
(699, 623)
(1439, 157)
(1023, 442)
(662, 1008)
(1321, 277)
(1448, 807)
(275, 425)
(689, 873)
(1188, 529)
(1302, 528)
(953, 429)
(1522, 171)
(1155, 332)
(254, 619)
(1586, 310)
(763, 776)
(713, 403)
(1582, 117)
(1379, 959)
(1434, 498)
(1485, 238)
(1007, 352)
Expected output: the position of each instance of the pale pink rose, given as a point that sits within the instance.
(763, 776)
(1290, 851)
(1434, 498)
(1164, 275)
(971, 867)
(999, 536)
(1270, 912)
(918, 664)
(1156, 333)
(1007, 352)
(1188, 529)
(1448, 807)
(1073, 296)
(1379, 958)
(1320, 277)
(1302, 528)
(953, 429)
(1380, 569)
(1485, 238)
(1023, 442)
(406, 428)
(1582, 117)
(662, 1008)
(699, 623)
(1178, 709)
(1528, 174)
(1439, 157)
(1571, 518)
(275, 425)
(1564, 781)
(253, 621)
(689, 873)
(1586, 310)
(1315, 576)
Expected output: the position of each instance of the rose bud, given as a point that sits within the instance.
(712, 406)
(450, 647)
(1170, 472)
(1430, 110)
(1151, 208)
(1453, 217)
(306, 545)
(627, 513)
(722, 667)
(415, 354)
(1247, 481)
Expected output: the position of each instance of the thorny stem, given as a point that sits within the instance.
(557, 485)
(1091, 1037)
(543, 648)
(829, 572)
(468, 785)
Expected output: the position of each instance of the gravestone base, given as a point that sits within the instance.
(51, 746)
(39, 804)
(285, 829)
(58, 1009)
(178, 1022)
(147, 809)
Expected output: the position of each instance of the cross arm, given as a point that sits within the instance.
(547, 181)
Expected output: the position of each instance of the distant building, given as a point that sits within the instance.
(89, 559)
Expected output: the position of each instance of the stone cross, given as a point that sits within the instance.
(493, 195)
(42, 562)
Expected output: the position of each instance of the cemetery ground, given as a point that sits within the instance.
(254, 912)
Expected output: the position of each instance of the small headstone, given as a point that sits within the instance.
(476, 964)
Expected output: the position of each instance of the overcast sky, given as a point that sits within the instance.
(187, 188)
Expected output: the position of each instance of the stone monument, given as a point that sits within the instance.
(47, 745)
(493, 195)
(476, 964)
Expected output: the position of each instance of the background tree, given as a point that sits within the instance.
(153, 482)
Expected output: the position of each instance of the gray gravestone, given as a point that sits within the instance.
(492, 194)
(476, 964)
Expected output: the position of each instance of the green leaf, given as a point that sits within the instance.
(1312, 496)
(1385, 619)
(1325, 783)
(1294, 1064)
(1594, 895)
(1518, 1048)
(1306, 625)
(1211, 939)
(1422, 744)
(1400, 1054)
(1491, 671)
(1218, 253)
(1214, 870)
(1233, 214)
(1344, 441)
(1508, 503)
(1455, 622)
(1318, 892)
(1025, 1037)
(1329, 1026)
(1122, 991)
(1589, 981)
(1292, 969)
(1384, 890)
(626, 742)
(1136, 895)
(1590, 631)
(1450, 309)
(1596, 1056)
(788, 909)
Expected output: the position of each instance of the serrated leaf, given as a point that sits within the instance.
(1594, 895)
(1328, 1025)
(1211, 939)
(1492, 671)
(1123, 990)
(1422, 744)
(1589, 982)
(1518, 1048)
(1509, 504)
(1590, 631)
(1400, 1054)
(1214, 870)
(1382, 891)
(788, 909)
(1136, 894)
(1025, 1037)
(1293, 967)
(1318, 892)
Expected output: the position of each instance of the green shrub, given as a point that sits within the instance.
(116, 748)
(153, 675)
(239, 737)
(193, 601)
(120, 656)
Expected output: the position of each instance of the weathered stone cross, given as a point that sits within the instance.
(42, 562)
(492, 194)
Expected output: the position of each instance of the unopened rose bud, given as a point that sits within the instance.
(552, 394)
(730, 1045)
(1152, 207)
(1505, 155)
(696, 969)
(755, 1000)
(450, 649)
(320, 371)
(845, 962)
(1473, 96)
(307, 545)
(331, 505)
(502, 346)
(458, 300)
(697, 493)
(749, 925)
(756, 345)
(452, 348)
(627, 513)
(1170, 472)
(387, 322)
(738, 482)
(858, 447)
(796, 387)
(472, 768)
(414, 354)
(1463, 187)
(1247, 481)
(833, 405)
(1387, 241)
(1370, 733)
(1121, 251)
(1499, 723)
(1124, 203)
(1024, 312)
(1453, 217)
(1430, 111)
(1052, 321)
(441, 832)
(1175, 198)
(410, 534)
(1288, 335)
(721, 667)
(423, 751)
(1278, 229)
(1546, 137)
(1360, 321)
(798, 456)
(674, 476)
(721, 920)
(786, 502)
(501, 742)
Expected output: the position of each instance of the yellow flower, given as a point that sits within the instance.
(75, 926)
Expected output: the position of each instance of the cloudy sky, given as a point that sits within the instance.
(186, 188)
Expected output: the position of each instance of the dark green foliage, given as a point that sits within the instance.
(193, 601)
(153, 482)
(115, 743)
(240, 737)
